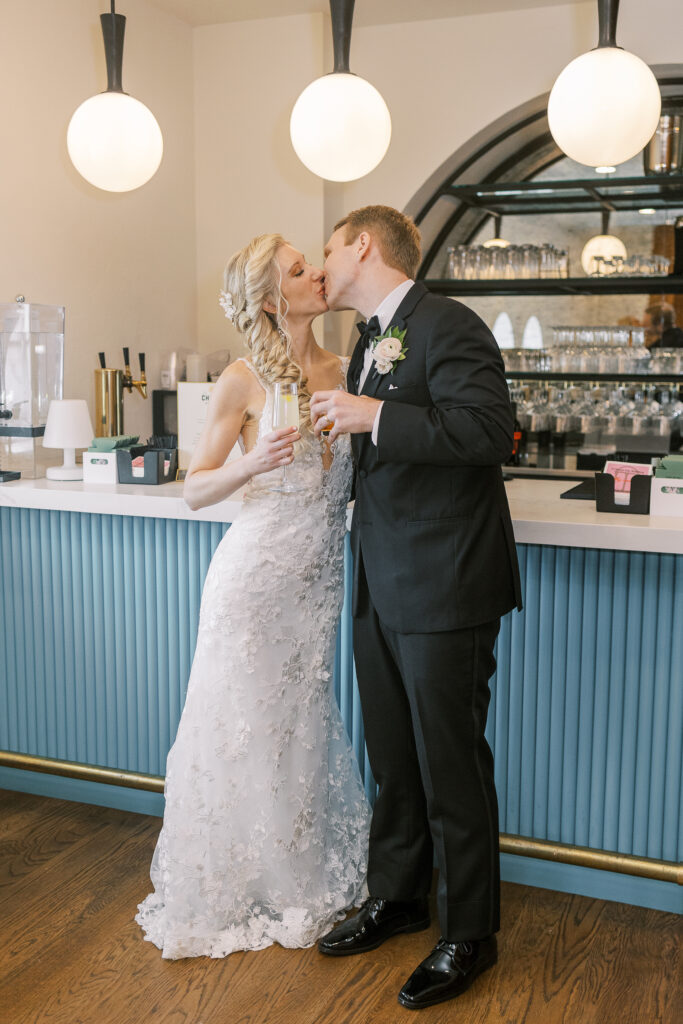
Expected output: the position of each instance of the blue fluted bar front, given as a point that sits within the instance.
(100, 613)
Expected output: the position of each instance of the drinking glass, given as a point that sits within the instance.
(530, 261)
(512, 266)
(456, 261)
(661, 265)
(498, 258)
(597, 266)
(548, 266)
(285, 414)
(563, 263)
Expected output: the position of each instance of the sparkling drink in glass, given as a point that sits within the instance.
(285, 414)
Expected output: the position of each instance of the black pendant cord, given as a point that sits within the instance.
(498, 227)
(608, 12)
(605, 222)
(341, 12)
(113, 30)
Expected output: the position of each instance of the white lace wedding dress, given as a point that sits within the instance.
(266, 824)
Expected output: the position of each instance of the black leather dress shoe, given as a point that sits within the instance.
(376, 921)
(447, 972)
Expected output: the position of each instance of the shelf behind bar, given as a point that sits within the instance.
(606, 185)
(620, 378)
(506, 198)
(559, 286)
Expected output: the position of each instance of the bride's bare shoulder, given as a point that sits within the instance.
(237, 384)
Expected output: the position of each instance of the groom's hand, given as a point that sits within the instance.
(350, 414)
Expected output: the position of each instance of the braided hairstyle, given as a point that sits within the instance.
(252, 277)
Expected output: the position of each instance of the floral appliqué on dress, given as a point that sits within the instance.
(266, 822)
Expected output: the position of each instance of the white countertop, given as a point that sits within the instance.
(164, 501)
(540, 516)
(538, 513)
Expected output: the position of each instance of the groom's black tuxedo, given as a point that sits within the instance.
(431, 515)
(434, 569)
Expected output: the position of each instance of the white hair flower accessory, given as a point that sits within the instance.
(228, 303)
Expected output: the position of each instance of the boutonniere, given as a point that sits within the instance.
(388, 350)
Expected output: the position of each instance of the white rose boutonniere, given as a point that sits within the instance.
(388, 350)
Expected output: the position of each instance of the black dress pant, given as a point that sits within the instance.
(425, 698)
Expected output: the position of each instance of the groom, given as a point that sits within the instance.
(434, 569)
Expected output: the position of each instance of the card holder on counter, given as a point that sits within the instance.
(153, 471)
(639, 503)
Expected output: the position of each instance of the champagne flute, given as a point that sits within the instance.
(285, 414)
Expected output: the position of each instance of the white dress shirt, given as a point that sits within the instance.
(384, 314)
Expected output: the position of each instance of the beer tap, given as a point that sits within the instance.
(109, 385)
(128, 382)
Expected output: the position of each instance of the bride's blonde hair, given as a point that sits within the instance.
(252, 277)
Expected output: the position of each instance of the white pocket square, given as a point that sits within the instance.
(393, 387)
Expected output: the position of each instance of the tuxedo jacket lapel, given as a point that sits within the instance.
(355, 365)
(406, 307)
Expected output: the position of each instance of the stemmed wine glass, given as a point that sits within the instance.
(285, 414)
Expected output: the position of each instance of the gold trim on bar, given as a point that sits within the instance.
(87, 772)
(583, 856)
(521, 846)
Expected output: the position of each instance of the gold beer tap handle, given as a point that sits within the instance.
(128, 382)
(141, 385)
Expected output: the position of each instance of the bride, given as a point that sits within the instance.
(265, 828)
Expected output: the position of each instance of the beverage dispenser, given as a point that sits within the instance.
(31, 376)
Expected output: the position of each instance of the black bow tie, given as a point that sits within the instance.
(368, 331)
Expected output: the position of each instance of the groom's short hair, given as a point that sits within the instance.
(397, 236)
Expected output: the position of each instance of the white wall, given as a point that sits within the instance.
(123, 265)
(248, 179)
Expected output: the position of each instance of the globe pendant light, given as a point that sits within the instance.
(114, 141)
(340, 125)
(605, 105)
(605, 245)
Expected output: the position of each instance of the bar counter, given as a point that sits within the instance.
(99, 609)
(539, 515)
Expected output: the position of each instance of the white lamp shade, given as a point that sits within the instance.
(532, 336)
(601, 245)
(604, 107)
(496, 243)
(114, 141)
(68, 424)
(503, 331)
(340, 127)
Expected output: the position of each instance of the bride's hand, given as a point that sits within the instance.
(273, 450)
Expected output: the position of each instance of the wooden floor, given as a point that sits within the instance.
(71, 876)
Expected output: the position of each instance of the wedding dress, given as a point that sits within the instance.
(266, 823)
